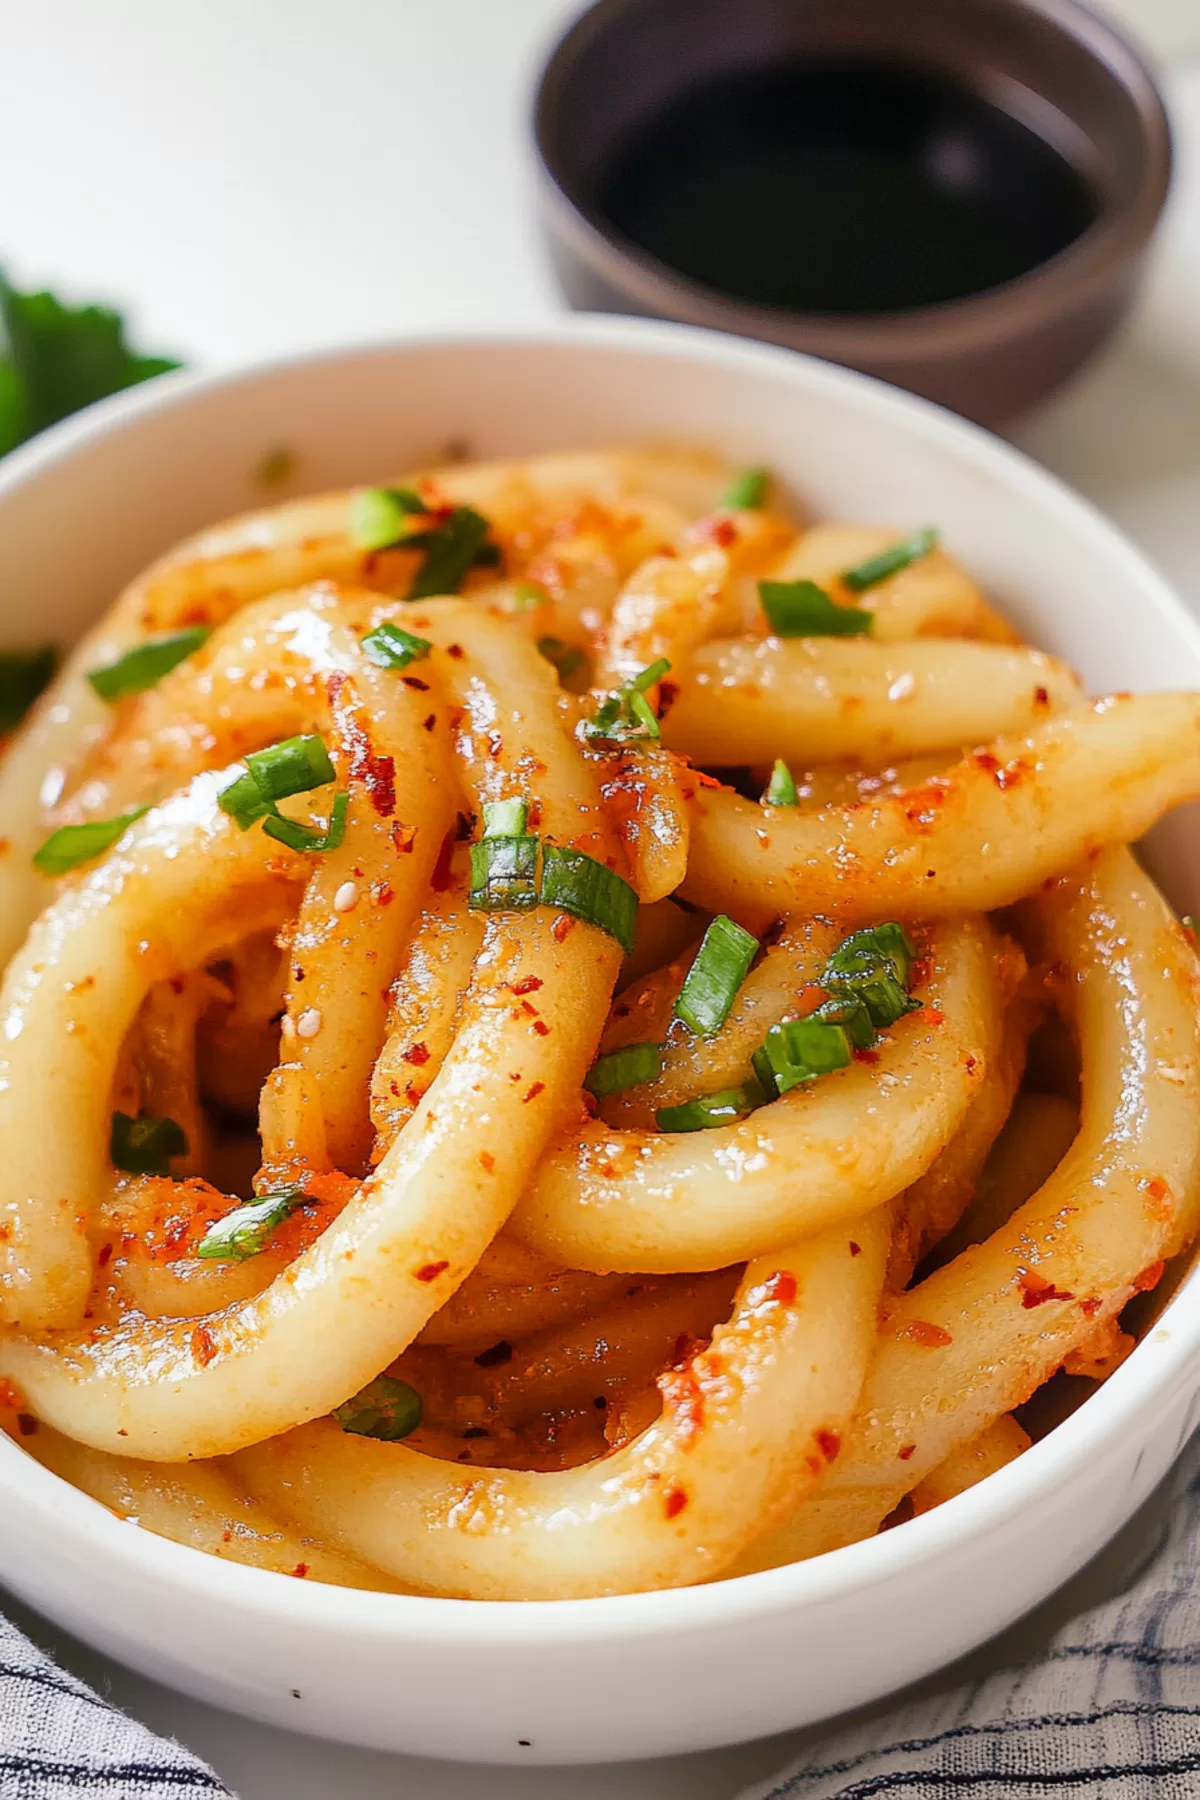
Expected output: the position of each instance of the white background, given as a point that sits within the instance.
(253, 176)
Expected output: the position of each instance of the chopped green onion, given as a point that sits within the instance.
(243, 1232)
(718, 970)
(386, 1408)
(380, 517)
(243, 801)
(781, 789)
(293, 766)
(873, 965)
(71, 845)
(890, 561)
(625, 1068)
(505, 818)
(748, 490)
(710, 1111)
(800, 1050)
(145, 1146)
(802, 609)
(527, 596)
(24, 674)
(626, 715)
(504, 874)
(305, 837)
(851, 1013)
(393, 648)
(146, 664)
(577, 884)
(567, 658)
(451, 548)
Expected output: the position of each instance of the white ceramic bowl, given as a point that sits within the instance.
(589, 1680)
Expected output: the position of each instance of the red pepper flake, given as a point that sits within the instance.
(562, 926)
(668, 694)
(431, 1271)
(866, 1056)
(26, 1424)
(541, 1027)
(538, 1087)
(707, 781)
(528, 984)
(495, 1356)
(430, 722)
(487, 1161)
(11, 1395)
(403, 839)
(456, 651)
(905, 1451)
(103, 1254)
(464, 826)
(441, 877)
(300, 1571)
(1156, 1187)
(203, 1347)
(674, 1502)
(1041, 696)
(932, 1015)
(855, 1249)
(1090, 1307)
(780, 1287)
(382, 893)
(417, 1055)
(927, 1335)
(1149, 1278)
(683, 1398)
(414, 1095)
(983, 759)
(415, 682)
(1036, 1290)
(828, 1443)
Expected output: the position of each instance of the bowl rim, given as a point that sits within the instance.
(1151, 1378)
(952, 327)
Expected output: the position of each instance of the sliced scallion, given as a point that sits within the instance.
(505, 818)
(709, 1111)
(873, 965)
(145, 1146)
(800, 1050)
(24, 674)
(747, 490)
(381, 517)
(781, 789)
(71, 845)
(567, 658)
(626, 715)
(802, 609)
(307, 838)
(718, 970)
(293, 766)
(576, 883)
(147, 663)
(628, 1067)
(386, 1408)
(451, 547)
(890, 561)
(393, 648)
(243, 1232)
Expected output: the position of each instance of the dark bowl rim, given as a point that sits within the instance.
(1053, 287)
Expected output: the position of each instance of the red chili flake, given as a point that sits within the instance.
(538, 1087)
(10, 1394)
(403, 839)
(932, 1015)
(855, 1249)
(1149, 1278)
(431, 1271)
(983, 759)
(1041, 696)
(103, 1254)
(866, 1056)
(414, 1095)
(300, 1571)
(464, 826)
(528, 984)
(1036, 1290)
(828, 1443)
(541, 1027)
(781, 1287)
(905, 1451)
(683, 1398)
(382, 893)
(707, 781)
(927, 1335)
(487, 1161)
(430, 722)
(969, 1063)
(417, 1054)
(1156, 1187)
(674, 1503)
(441, 877)
(203, 1347)
(456, 651)
(26, 1424)
(668, 694)
(415, 682)
(563, 925)
(499, 1353)
(1090, 1307)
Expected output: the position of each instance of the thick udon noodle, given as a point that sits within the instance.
(645, 1357)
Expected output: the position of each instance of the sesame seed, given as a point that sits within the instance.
(309, 1023)
(345, 897)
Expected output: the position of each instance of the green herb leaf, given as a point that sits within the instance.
(576, 883)
(800, 1050)
(781, 789)
(24, 674)
(504, 874)
(890, 561)
(747, 490)
(382, 517)
(393, 648)
(873, 965)
(55, 359)
(626, 716)
(71, 845)
(243, 1232)
(802, 609)
(628, 1067)
(711, 1110)
(307, 838)
(145, 1146)
(147, 663)
(451, 548)
(718, 970)
(386, 1408)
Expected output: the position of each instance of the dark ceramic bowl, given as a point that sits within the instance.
(1050, 63)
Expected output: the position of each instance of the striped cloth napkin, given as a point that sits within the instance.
(1108, 1710)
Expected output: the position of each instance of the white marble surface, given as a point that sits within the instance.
(251, 176)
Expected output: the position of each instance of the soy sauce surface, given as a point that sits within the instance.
(845, 186)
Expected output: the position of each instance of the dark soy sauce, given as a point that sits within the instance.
(845, 186)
